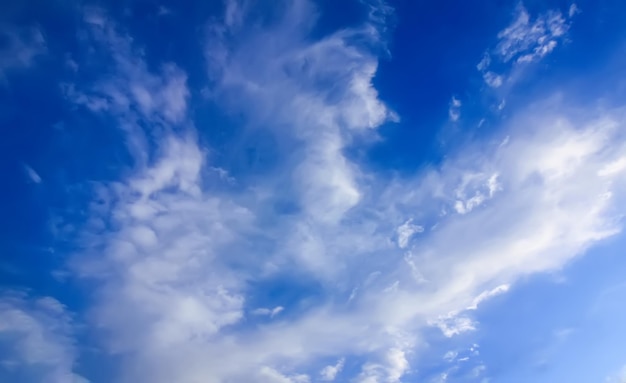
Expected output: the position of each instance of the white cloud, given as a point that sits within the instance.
(442, 378)
(398, 364)
(392, 367)
(451, 325)
(545, 165)
(482, 189)
(32, 175)
(268, 312)
(450, 356)
(530, 40)
(132, 93)
(484, 62)
(493, 80)
(613, 168)
(276, 310)
(329, 373)
(163, 255)
(488, 294)
(478, 370)
(37, 335)
(454, 111)
(525, 40)
(21, 46)
(287, 91)
(406, 231)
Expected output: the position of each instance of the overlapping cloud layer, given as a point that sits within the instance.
(179, 252)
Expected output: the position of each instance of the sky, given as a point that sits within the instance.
(300, 191)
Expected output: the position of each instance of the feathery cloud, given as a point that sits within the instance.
(40, 343)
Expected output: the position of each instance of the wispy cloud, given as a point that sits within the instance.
(454, 111)
(488, 294)
(268, 312)
(406, 231)
(132, 93)
(329, 373)
(527, 40)
(40, 340)
(32, 175)
(492, 79)
(20, 49)
(393, 367)
(524, 41)
(451, 325)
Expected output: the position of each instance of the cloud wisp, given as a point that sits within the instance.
(524, 41)
(21, 47)
(40, 343)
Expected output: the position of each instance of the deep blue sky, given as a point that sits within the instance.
(301, 191)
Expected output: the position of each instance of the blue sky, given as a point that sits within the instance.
(302, 192)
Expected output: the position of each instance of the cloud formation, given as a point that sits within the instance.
(454, 111)
(524, 41)
(329, 373)
(184, 257)
(40, 344)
